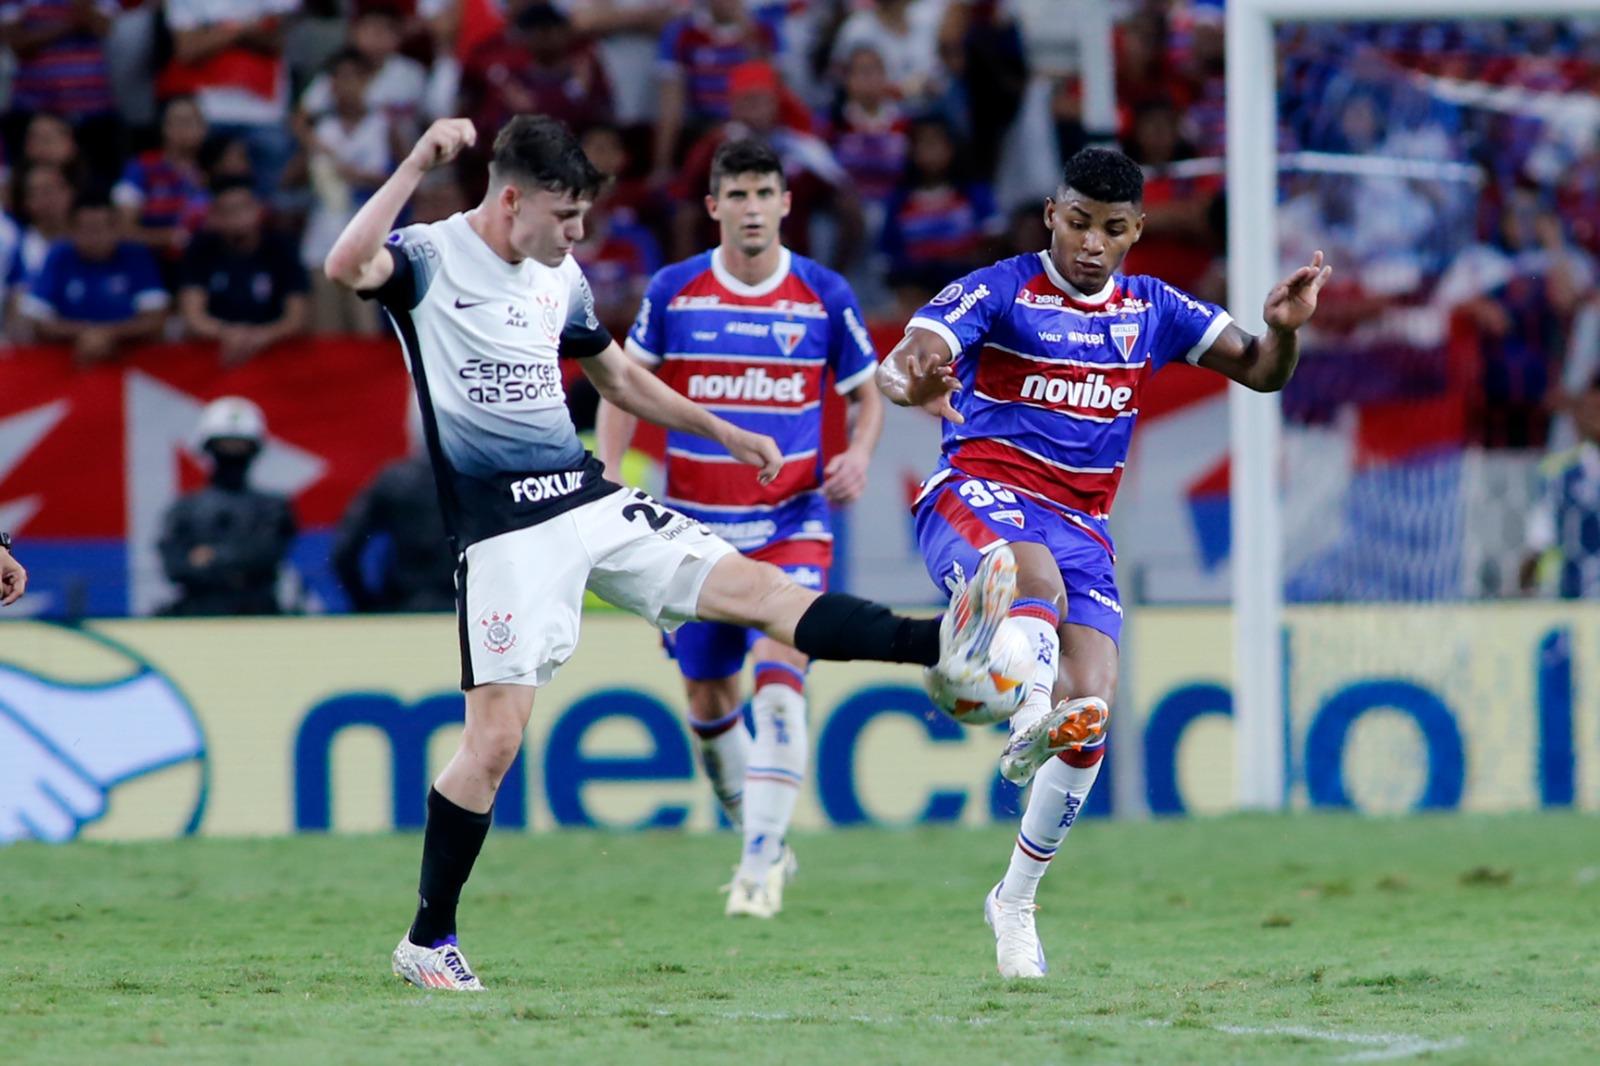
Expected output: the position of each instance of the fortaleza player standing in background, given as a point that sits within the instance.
(752, 331)
(485, 302)
(1036, 364)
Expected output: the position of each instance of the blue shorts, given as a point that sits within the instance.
(707, 651)
(957, 523)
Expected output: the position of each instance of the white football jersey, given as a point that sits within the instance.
(483, 338)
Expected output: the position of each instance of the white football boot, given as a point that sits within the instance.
(1017, 951)
(1069, 725)
(441, 967)
(764, 898)
(975, 614)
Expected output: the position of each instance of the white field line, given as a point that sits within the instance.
(1381, 1047)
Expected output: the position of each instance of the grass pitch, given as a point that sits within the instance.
(1241, 940)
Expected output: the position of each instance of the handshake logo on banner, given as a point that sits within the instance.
(65, 748)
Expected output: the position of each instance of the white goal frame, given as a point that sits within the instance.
(1260, 711)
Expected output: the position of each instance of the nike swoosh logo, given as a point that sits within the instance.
(463, 305)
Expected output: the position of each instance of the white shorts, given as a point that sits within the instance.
(520, 594)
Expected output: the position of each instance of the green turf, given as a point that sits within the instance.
(1252, 940)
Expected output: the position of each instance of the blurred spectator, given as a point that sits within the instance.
(49, 139)
(352, 149)
(229, 55)
(44, 200)
(97, 293)
(817, 184)
(1178, 243)
(981, 48)
(240, 285)
(225, 158)
(392, 552)
(698, 53)
(906, 34)
(60, 62)
(868, 132)
(162, 194)
(618, 256)
(534, 65)
(398, 82)
(1066, 113)
(626, 33)
(1533, 280)
(439, 196)
(222, 545)
(1563, 530)
(939, 222)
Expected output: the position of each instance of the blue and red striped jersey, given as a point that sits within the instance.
(757, 355)
(1051, 376)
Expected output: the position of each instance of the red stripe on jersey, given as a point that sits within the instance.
(1088, 491)
(966, 524)
(1100, 391)
(726, 484)
(1040, 291)
(790, 294)
(818, 553)
(756, 384)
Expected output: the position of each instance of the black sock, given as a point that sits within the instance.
(450, 844)
(841, 627)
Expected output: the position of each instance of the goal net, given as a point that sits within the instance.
(1451, 172)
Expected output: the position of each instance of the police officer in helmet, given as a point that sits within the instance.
(222, 545)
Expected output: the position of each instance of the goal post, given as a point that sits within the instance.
(1260, 708)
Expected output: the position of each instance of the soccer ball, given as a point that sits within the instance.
(995, 694)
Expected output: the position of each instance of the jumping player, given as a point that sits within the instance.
(1036, 364)
(751, 330)
(484, 303)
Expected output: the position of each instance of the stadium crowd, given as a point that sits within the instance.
(177, 169)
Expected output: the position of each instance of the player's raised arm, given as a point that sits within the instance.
(620, 380)
(917, 373)
(358, 260)
(1266, 363)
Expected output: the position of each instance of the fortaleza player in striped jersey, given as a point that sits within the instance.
(1036, 364)
(753, 332)
(485, 303)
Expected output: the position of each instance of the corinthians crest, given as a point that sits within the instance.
(497, 634)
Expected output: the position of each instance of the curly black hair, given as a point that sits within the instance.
(543, 152)
(1104, 174)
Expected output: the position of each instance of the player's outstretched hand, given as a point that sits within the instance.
(758, 450)
(929, 385)
(443, 141)
(1293, 301)
(13, 579)
(845, 478)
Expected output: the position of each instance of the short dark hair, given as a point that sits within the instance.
(231, 183)
(348, 55)
(747, 155)
(543, 152)
(1104, 174)
(94, 197)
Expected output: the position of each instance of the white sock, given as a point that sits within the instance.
(777, 765)
(1039, 619)
(1058, 794)
(724, 748)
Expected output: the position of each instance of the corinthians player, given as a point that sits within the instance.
(485, 302)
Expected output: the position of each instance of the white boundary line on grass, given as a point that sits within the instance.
(1385, 1047)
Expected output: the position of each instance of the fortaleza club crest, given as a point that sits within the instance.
(788, 335)
(1126, 335)
(497, 635)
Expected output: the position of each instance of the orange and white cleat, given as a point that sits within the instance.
(443, 967)
(1070, 726)
(975, 614)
